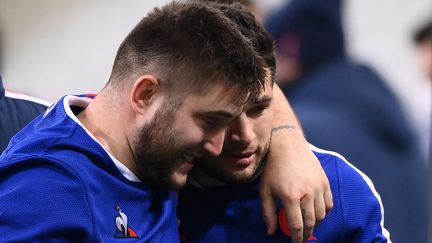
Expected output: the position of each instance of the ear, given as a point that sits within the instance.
(144, 93)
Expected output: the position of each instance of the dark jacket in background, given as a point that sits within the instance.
(347, 107)
(16, 111)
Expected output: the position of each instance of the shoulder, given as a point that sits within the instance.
(42, 196)
(346, 174)
(356, 200)
(38, 174)
(18, 109)
(28, 100)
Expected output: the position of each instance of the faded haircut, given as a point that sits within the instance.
(189, 46)
(257, 35)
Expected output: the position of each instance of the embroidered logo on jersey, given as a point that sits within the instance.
(284, 226)
(123, 230)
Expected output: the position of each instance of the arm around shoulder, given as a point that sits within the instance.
(293, 174)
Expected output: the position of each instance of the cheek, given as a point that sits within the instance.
(188, 133)
(263, 130)
(192, 136)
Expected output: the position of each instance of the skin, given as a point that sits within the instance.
(244, 152)
(284, 175)
(245, 146)
(424, 56)
(288, 159)
(137, 106)
(156, 143)
(136, 109)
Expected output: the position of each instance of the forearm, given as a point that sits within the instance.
(293, 174)
(284, 117)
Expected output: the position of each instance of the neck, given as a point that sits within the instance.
(105, 119)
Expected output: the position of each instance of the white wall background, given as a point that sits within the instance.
(54, 47)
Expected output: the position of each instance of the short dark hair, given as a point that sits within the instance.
(189, 42)
(423, 33)
(257, 35)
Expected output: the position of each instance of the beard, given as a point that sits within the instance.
(214, 168)
(157, 151)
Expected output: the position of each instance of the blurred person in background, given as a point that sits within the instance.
(347, 107)
(421, 108)
(423, 41)
(16, 110)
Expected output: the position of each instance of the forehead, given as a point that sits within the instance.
(268, 88)
(216, 98)
(267, 92)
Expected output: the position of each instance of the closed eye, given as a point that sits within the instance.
(257, 110)
(214, 123)
(259, 107)
(214, 119)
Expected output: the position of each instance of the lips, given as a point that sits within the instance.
(242, 160)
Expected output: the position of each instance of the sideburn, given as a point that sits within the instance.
(157, 149)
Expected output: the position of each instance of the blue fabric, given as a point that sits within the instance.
(347, 107)
(57, 183)
(233, 213)
(14, 115)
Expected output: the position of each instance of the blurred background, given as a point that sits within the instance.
(54, 47)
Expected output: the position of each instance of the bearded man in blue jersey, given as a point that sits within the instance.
(220, 202)
(96, 170)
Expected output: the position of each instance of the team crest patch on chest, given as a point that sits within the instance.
(122, 228)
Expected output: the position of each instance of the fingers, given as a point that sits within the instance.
(328, 199)
(308, 210)
(302, 214)
(320, 209)
(268, 205)
(295, 221)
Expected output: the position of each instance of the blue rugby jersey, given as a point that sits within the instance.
(57, 182)
(233, 213)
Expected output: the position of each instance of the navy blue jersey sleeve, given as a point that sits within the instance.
(48, 193)
(362, 208)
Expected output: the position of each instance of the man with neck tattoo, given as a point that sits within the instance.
(220, 202)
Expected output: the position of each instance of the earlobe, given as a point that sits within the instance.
(143, 92)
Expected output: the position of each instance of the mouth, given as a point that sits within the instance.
(241, 159)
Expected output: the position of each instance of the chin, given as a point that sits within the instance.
(239, 177)
(245, 175)
(178, 181)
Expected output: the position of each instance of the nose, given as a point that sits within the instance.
(241, 130)
(213, 145)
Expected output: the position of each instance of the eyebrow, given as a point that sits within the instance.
(217, 114)
(264, 99)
